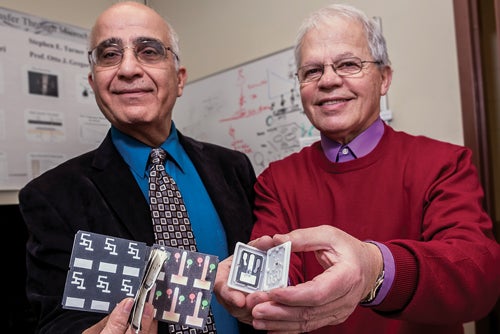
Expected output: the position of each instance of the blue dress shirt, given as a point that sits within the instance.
(207, 227)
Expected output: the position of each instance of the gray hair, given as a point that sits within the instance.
(174, 43)
(376, 41)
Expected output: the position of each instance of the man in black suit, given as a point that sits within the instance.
(136, 77)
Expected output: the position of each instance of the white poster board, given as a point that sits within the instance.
(48, 113)
(254, 108)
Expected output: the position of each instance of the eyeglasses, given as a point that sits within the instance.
(343, 68)
(148, 52)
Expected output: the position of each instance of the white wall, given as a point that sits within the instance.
(219, 34)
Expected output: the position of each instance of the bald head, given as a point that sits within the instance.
(129, 15)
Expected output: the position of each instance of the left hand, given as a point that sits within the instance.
(235, 301)
(117, 321)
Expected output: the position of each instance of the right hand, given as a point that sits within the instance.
(236, 301)
(117, 321)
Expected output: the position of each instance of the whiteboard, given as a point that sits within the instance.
(254, 108)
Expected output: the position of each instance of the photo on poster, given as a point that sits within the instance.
(40, 83)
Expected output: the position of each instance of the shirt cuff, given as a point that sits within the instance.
(389, 271)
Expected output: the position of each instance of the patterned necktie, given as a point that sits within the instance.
(171, 221)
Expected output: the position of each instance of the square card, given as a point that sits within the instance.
(256, 270)
(104, 270)
(183, 290)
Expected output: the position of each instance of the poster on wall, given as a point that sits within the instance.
(48, 112)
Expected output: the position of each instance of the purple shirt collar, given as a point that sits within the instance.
(360, 146)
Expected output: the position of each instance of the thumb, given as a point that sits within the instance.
(308, 239)
(116, 322)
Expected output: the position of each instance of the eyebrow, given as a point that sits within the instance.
(339, 57)
(110, 41)
(119, 41)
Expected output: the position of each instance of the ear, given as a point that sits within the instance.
(386, 73)
(91, 80)
(181, 80)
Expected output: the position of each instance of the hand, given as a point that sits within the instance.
(235, 301)
(351, 268)
(117, 321)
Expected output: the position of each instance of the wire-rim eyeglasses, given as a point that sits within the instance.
(343, 67)
(147, 51)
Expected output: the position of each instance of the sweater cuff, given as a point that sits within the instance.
(404, 282)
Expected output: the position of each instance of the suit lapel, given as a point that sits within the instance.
(229, 203)
(122, 193)
(210, 173)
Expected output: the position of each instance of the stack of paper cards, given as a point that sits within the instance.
(104, 270)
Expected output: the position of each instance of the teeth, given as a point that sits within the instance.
(333, 102)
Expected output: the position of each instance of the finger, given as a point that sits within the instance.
(222, 275)
(118, 318)
(322, 289)
(227, 296)
(305, 294)
(272, 316)
(298, 326)
(256, 298)
(230, 297)
(263, 243)
(280, 327)
(309, 239)
(116, 322)
(148, 325)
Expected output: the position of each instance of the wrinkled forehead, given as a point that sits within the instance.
(339, 36)
(128, 24)
(338, 30)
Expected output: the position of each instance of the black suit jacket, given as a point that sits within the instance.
(96, 192)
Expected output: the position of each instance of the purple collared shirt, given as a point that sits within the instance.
(360, 146)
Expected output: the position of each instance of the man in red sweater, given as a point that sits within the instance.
(388, 230)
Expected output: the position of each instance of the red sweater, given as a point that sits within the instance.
(421, 198)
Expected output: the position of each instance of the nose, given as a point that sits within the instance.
(329, 75)
(130, 65)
